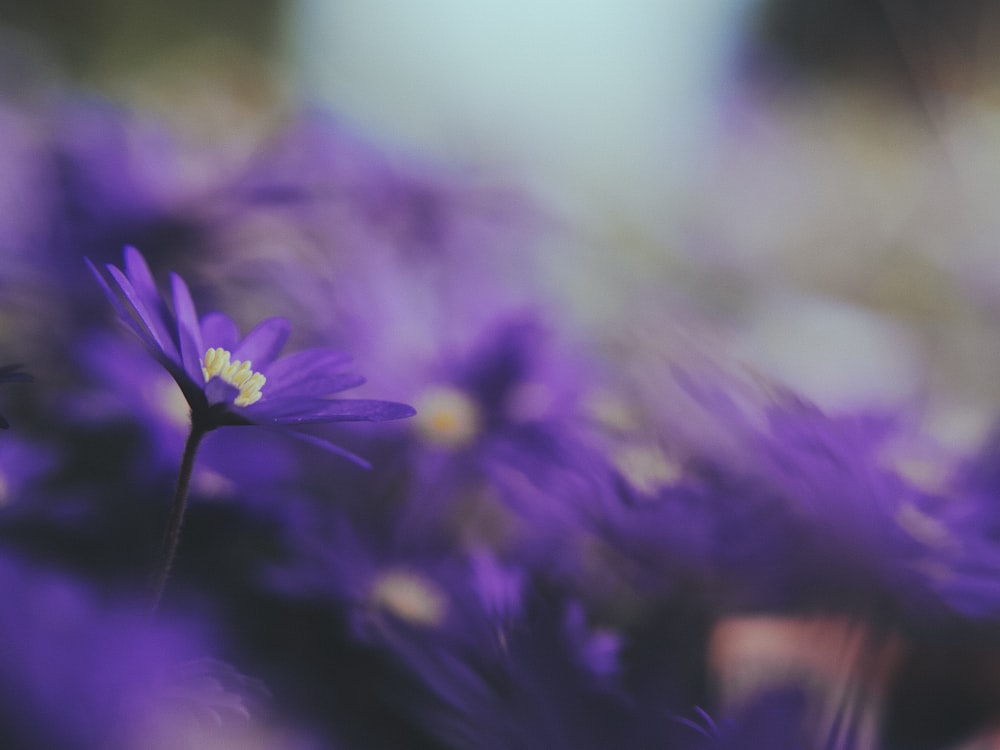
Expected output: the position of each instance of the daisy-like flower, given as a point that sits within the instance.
(12, 374)
(229, 380)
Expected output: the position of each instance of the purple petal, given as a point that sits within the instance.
(305, 365)
(262, 345)
(137, 314)
(188, 330)
(218, 329)
(139, 273)
(345, 410)
(128, 315)
(328, 446)
(145, 287)
(321, 385)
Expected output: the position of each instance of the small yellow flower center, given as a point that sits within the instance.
(410, 597)
(611, 410)
(647, 467)
(925, 528)
(448, 417)
(218, 363)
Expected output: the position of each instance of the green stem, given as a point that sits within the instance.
(172, 536)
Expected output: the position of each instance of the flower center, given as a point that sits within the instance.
(647, 467)
(409, 597)
(218, 363)
(447, 417)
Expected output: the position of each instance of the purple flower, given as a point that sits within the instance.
(229, 380)
(63, 653)
(12, 374)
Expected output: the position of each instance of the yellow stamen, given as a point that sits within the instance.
(218, 363)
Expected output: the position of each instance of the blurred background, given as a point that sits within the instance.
(518, 217)
(808, 186)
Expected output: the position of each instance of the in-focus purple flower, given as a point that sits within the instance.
(231, 380)
(12, 374)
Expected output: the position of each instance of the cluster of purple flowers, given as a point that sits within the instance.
(557, 539)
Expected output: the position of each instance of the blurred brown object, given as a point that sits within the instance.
(843, 665)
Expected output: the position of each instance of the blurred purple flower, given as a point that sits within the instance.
(835, 518)
(193, 701)
(526, 681)
(101, 669)
(123, 385)
(227, 380)
(109, 179)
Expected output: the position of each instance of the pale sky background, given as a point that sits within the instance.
(601, 102)
(614, 113)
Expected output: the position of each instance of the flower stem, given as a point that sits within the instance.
(168, 549)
